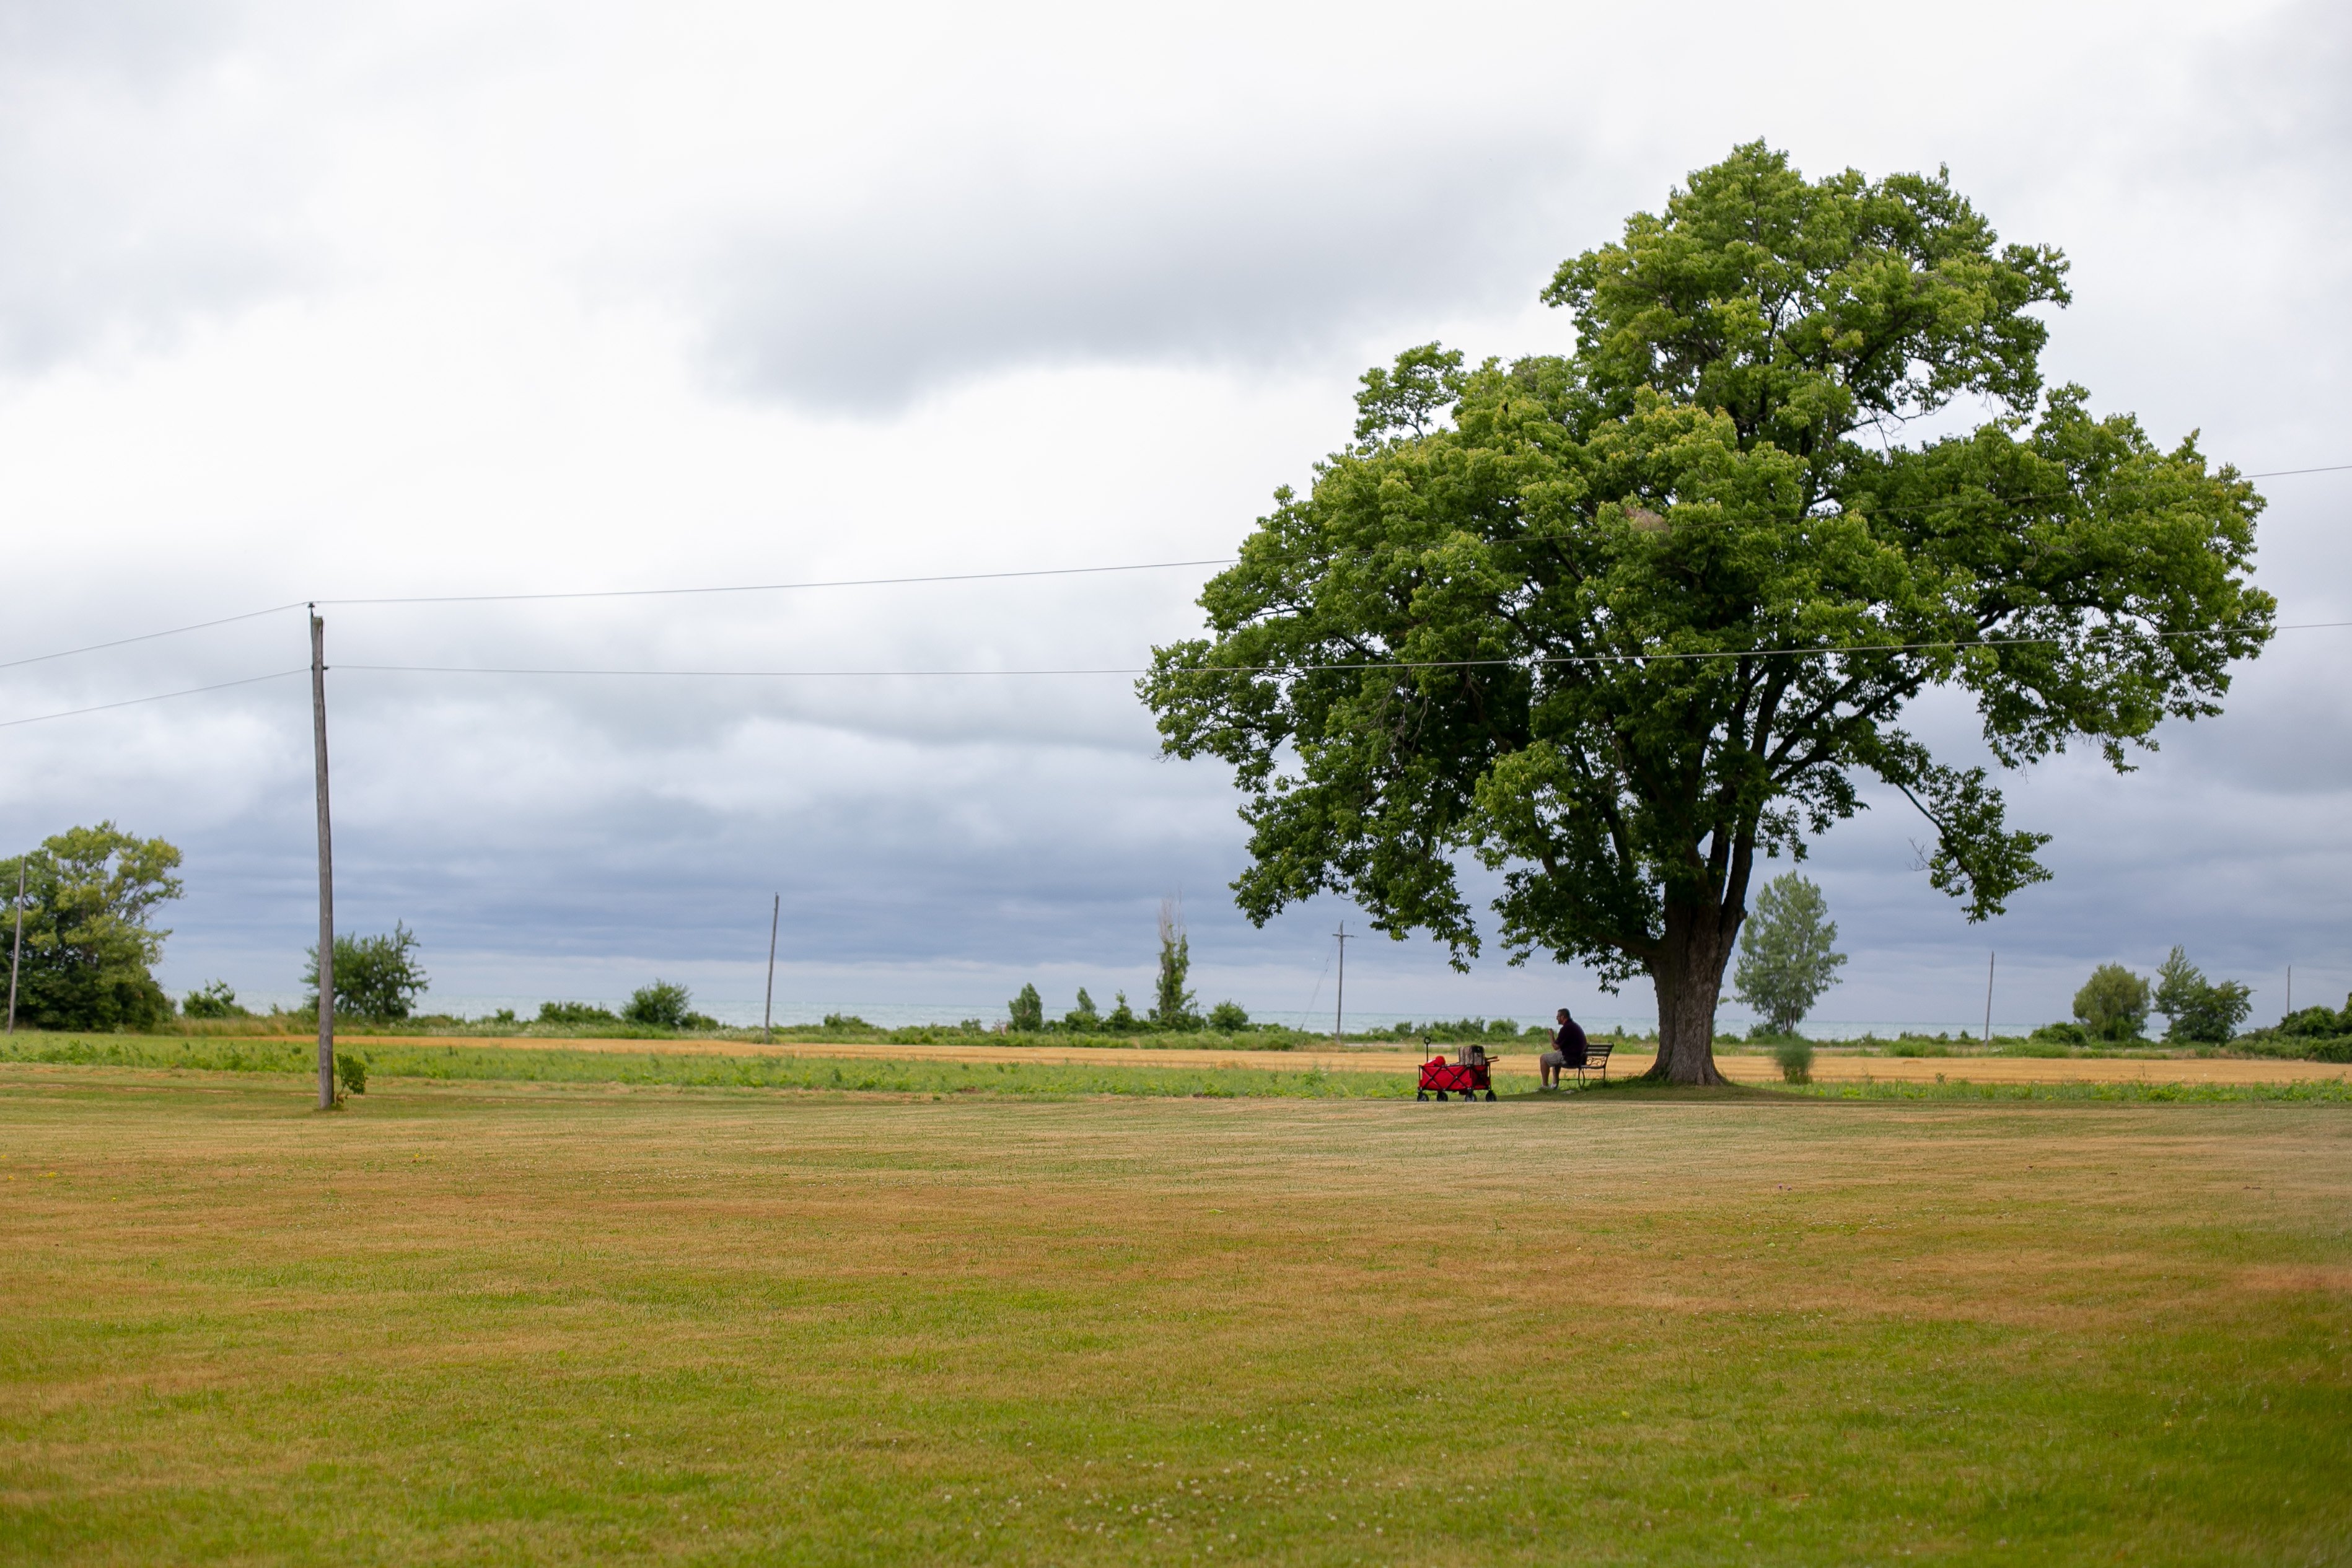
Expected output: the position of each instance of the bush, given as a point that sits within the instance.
(351, 1072)
(1027, 1011)
(1227, 1018)
(2060, 1034)
(2113, 1003)
(1796, 1059)
(572, 1014)
(2317, 1022)
(660, 1006)
(216, 1001)
(1084, 1019)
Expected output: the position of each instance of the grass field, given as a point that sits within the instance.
(516, 1322)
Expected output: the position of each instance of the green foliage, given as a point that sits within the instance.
(1027, 1011)
(88, 947)
(663, 1005)
(377, 977)
(2317, 1022)
(1121, 1018)
(1172, 1004)
(2198, 1009)
(215, 1000)
(2113, 1003)
(571, 1014)
(1084, 1019)
(1227, 1018)
(1796, 1059)
(351, 1072)
(1462, 1031)
(1553, 632)
(2060, 1034)
(1786, 961)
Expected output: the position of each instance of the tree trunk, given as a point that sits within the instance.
(1689, 973)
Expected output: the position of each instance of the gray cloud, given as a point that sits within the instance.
(946, 274)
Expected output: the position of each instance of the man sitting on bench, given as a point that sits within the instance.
(1568, 1049)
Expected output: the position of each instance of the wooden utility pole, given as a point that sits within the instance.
(1339, 1005)
(1991, 959)
(17, 954)
(326, 866)
(768, 1011)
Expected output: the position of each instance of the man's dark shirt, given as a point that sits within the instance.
(1570, 1044)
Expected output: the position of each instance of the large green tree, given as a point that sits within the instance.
(88, 948)
(1612, 623)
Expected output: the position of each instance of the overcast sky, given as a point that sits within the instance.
(354, 302)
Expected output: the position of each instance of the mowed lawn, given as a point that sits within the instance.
(505, 1322)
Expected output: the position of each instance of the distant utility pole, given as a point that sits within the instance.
(16, 955)
(326, 866)
(1991, 959)
(768, 1012)
(1339, 1006)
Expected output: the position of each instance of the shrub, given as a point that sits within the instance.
(2318, 1022)
(571, 1014)
(1027, 1011)
(661, 1005)
(1084, 1019)
(351, 1072)
(216, 1001)
(1796, 1059)
(846, 1021)
(2113, 1003)
(1122, 1017)
(1227, 1018)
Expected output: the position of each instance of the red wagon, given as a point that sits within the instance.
(1467, 1078)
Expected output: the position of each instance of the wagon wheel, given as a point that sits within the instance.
(1490, 1093)
(1441, 1094)
(1421, 1094)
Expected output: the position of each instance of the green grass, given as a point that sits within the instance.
(522, 1064)
(390, 1059)
(539, 1321)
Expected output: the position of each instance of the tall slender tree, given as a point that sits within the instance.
(1612, 623)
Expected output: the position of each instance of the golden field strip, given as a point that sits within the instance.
(528, 1322)
(1358, 1059)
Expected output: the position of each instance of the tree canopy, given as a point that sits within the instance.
(1611, 623)
(1787, 952)
(89, 896)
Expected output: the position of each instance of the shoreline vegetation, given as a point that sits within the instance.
(387, 1058)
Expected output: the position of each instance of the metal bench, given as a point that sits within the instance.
(1596, 1059)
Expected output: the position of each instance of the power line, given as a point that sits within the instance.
(781, 587)
(151, 637)
(1279, 669)
(159, 696)
(1125, 670)
(857, 582)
